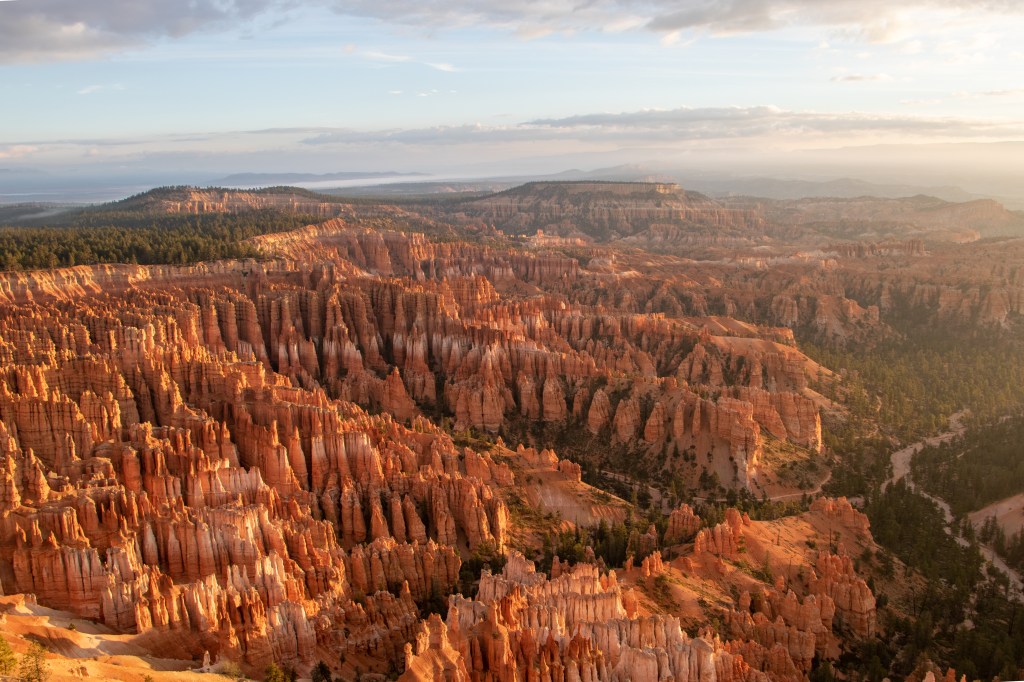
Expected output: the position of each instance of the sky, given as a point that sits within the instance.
(492, 86)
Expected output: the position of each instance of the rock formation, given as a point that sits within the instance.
(683, 524)
(575, 626)
(253, 454)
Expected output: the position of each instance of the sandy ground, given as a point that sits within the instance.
(1009, 514)
(80, 649)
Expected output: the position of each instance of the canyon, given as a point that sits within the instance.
(298, 457)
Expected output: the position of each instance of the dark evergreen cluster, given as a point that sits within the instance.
(960, 616)
(910, 385)
(89, 237)
(982, 467)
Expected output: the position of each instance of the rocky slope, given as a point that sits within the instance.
(586, 623)
(183, 450)
(296, 458)
(157, 481)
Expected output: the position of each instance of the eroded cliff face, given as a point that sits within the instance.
(447, 322)
(159, 476)
(586, 623)
(242, 453)
(195, 201)
(578, 626)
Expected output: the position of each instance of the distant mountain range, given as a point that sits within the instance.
(844, 188)
(764, 187)
(768, 187)
(250, 179)
(32, 185)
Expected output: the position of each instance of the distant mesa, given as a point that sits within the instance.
(184, 200)
(606, 210)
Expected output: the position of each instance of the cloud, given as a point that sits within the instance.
(737, 129)
(733, 137)
(874, 20)
(17, 151)
(687, 128)
(385, 57)
(726, 123)
(93, 89)
(48, 30)
(990, 93)
(443, 136)
(861, 77)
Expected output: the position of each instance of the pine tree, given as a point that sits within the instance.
(34, 667)
(321, 672)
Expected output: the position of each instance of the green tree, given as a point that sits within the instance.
(8, 661)
(33, 666)
(321, 672)
(274, 674)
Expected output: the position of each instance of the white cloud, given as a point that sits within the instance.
(39, 30)
(1015, 92)
(872, 20)
(731, 123)
(17, 151)
(687, 128)
(48, 30)
(93, 89)
(388, 58)
(861, 77)
(383, 56)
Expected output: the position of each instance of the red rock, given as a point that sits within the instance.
(600, 412)
(683, 524)
(626, 422)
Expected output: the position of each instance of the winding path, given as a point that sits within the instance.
(901, 470)
(785, 497)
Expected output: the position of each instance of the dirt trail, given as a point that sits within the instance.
(901, 458)
(785, 497)
(901, 470)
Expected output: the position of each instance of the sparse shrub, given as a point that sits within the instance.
(34, 667)
(232, 670)
(273, 673)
